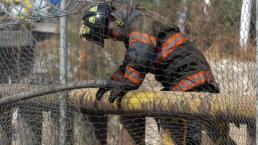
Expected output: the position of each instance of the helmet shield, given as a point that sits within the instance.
(94, 25)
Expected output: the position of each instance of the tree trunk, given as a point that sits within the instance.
(245, 23)
(184, 14)
(26, 129)
(207, 4)
(50, 128)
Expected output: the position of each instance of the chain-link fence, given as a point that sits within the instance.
(176, 71)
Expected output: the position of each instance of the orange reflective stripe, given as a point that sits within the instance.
(142, 37)
(152, 38)
(138, 74)
(194, 84)
(134, 80)
(141, 40)
(114, 77)
(174, 41)
(171, 39)
(193, 81)
(117, 75)
(133, 75)
(178, 43)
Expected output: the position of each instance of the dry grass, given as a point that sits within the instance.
(227, 46)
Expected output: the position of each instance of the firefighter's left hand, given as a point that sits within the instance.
(116, 93)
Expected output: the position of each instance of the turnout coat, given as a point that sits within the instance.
(155, 46)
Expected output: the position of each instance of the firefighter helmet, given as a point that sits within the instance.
(94, 25)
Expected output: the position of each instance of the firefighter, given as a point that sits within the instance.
(155, 46)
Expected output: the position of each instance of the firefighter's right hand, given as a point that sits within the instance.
(101, 92)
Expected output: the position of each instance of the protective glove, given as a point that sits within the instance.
(116, 93)
(101, 92)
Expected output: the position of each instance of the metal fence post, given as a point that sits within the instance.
(63, 75)
(256, 84)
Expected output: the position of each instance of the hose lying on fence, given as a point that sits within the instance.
(149, 102)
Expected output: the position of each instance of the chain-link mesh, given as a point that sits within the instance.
(179, 72)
